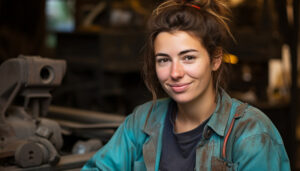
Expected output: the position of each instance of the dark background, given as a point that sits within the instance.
(102, 41)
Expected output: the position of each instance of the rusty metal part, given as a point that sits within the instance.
(76, 126)
(24, 98)
(85, 124)
(50, 130)
(51, 150)
(29, 140)
(32, 77)
(31, 154)
(66, 163)
(83, 116)
(9, 149)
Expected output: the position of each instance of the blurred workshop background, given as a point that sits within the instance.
(102, 40)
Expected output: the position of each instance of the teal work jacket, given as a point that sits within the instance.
(254, 142)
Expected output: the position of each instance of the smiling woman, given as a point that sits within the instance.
(198, 126)
(183, 68)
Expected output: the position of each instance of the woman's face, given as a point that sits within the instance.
(183, 66)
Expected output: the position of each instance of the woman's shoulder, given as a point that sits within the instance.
(255, 122)
(257, 143)
(141, 112)
(159, 105)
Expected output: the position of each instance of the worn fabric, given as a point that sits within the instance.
(255, 143)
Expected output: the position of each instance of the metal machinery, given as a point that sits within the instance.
(29, 140)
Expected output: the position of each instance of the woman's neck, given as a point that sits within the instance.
(191, 115)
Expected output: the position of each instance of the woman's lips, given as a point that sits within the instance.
(179, 88)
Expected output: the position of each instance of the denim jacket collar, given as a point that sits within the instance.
(217, 122)
(154, 128)
(157, 116)
(220, 117)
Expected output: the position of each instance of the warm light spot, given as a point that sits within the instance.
(230, 58)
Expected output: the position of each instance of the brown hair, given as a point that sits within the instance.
(205, 19)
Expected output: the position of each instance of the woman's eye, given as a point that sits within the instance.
(162, 60)
(189, 58)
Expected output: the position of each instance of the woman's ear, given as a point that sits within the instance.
(217, 58)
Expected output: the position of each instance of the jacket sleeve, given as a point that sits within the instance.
(260, 152)
(119, 153)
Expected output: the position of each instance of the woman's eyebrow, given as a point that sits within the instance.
(187, 51)
(161, 54)
(180, 53)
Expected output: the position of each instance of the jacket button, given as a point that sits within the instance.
(208, 134)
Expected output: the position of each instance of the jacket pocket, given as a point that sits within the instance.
(139, 166)
(218, 164)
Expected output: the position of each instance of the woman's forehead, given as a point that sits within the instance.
(178, 40)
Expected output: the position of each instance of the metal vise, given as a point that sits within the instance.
(27, 139)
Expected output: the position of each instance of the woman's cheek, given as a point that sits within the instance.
(193, 71)
(198, 69)
(162, 73)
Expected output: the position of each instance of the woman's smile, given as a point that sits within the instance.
(179, 87)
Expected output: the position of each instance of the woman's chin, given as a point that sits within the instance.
(181, 99)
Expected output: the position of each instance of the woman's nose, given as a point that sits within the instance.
(177, 70)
